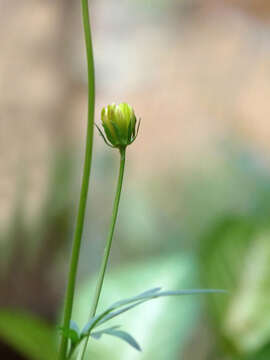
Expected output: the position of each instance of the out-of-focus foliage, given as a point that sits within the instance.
(236, 255)
(31, 336)
(234, 251)
(32, 252)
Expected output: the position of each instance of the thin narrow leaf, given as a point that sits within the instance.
(139, 299)
(155, 293)
(150, 291)
(146, 298)
(96, 319)
(136, 298)
(97, 334)
(189, 292)
(112, 315)
(123, 335)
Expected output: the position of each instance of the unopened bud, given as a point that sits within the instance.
(120, 125)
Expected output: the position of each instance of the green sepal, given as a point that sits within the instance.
(136, 131)
(134, 128)
(108, 134)
(129, 133)
(103, 136)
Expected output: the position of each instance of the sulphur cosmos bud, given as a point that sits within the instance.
(120, 125)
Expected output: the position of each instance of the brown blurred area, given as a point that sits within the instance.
(201, 75)
(260, 8)
(197, 73)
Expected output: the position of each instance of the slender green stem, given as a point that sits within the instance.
(85, 182)
(107, 247)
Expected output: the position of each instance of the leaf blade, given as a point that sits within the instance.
(123, 335)
(113, 314)
(139, 299)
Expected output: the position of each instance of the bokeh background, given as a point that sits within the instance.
(195, 210)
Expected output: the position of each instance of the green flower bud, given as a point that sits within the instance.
(119, 123)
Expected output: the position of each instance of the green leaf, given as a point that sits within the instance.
(111, 315)
(28, 334)
(153, 319)
(113, 331)
(142, 299)
(138, 297)
(93, 322)
(155, 293)
(97, 334)
(262, 354)
(235, 254)
(108, 314)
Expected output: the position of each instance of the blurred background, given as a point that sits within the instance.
(195, 210)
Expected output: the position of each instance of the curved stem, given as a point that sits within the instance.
(85, 183)
(107, 247)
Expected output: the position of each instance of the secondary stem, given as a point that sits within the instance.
(108, 245)
(85, 182)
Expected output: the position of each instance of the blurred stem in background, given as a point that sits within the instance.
(85, 182)
(108, 246)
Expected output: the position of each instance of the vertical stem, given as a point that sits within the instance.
(108, 245)
(85, 182)
(110, 235)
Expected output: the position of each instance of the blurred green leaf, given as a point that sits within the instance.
(263, 354)
(222, 255)
(28, 334)
(235, 254)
